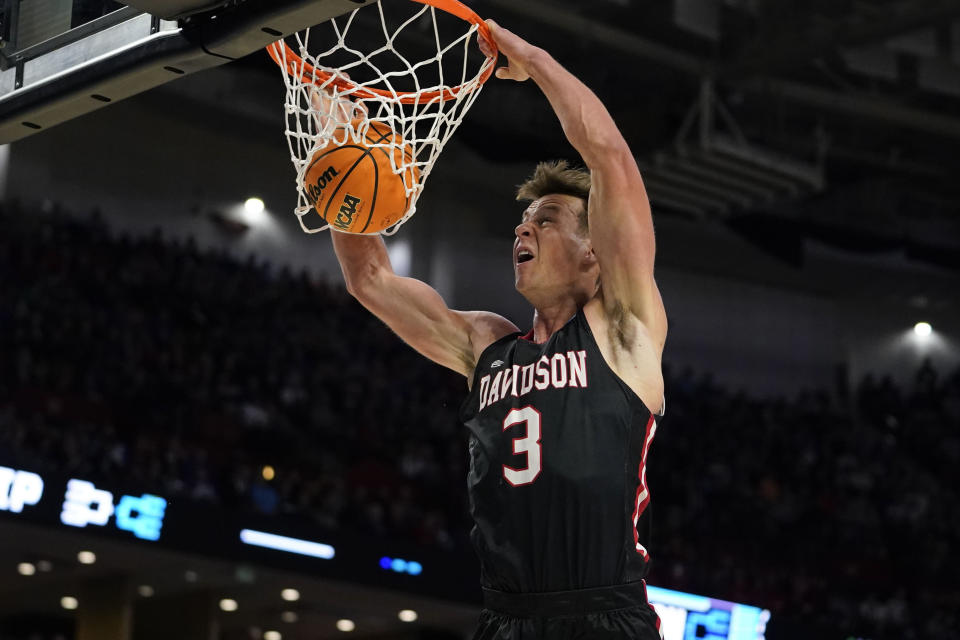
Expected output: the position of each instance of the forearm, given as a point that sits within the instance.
(363, 258)
(619, 207)
(586, 122)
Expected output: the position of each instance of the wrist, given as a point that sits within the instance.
(536, 61)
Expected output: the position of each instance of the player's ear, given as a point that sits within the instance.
(589, 257)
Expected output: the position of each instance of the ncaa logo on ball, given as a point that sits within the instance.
(347, 212)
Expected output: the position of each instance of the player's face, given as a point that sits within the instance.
(549, 249)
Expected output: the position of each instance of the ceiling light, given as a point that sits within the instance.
(408, 615)
(346, 625)
(272, 635)
(268, 473)
(86, 557)
(922, 329)
(254, 212)
(228, 604)
(190, 576)
(69, 602)
(26, 569)
(44, 566)
(145, 591)
(289, 617)
(290, 595)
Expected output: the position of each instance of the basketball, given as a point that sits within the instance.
(353, 186)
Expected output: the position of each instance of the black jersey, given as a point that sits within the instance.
(557, 482)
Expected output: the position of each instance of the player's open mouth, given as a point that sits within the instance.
(524, 256)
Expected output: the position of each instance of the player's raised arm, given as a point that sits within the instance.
(621, 226)
(413, 309)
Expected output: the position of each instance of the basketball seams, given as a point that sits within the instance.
(380, 132)
(343, 180)
(376, 191)
(412, 169)
(317, 159)
(364, 151)
(389, 132)
(383, 134)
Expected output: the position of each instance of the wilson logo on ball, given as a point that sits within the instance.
(315, 189)
(347, 211)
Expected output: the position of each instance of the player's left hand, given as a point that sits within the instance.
(514, 47)
(331, 110)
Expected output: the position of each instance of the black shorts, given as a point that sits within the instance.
(619, 612)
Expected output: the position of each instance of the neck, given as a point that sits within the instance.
(548, 319)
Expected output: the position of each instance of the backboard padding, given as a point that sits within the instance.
(175, 9)
(140, 53)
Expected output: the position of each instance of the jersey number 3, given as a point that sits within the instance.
(528, 444)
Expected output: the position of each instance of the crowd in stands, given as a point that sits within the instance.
(146, 361)
(837, 514)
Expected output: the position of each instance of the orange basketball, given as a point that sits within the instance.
(353, 187)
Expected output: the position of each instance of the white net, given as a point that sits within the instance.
(418, 74)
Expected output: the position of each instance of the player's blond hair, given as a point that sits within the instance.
(560, 178)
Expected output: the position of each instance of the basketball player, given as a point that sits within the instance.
(560, 419)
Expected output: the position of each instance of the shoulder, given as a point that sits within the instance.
(485, 328)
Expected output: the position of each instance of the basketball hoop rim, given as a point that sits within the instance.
(280, 51)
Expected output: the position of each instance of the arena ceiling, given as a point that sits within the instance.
(832, 119)
(785, 120)
(869, 92)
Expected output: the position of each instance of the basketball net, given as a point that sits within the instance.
(342, 74)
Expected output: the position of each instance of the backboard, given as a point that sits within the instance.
(60, 59)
